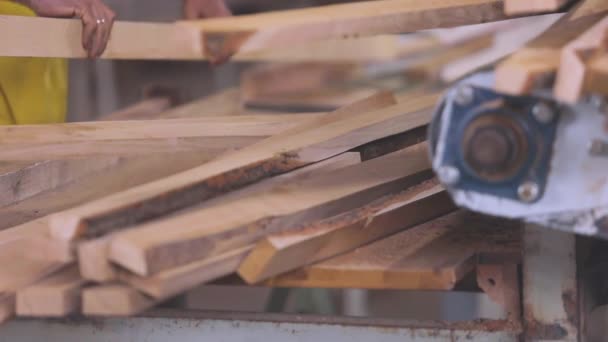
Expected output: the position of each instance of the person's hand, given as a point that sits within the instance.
(96, 16)
(199, 9)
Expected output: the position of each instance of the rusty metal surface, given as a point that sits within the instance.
(550, 299)
(228, 327)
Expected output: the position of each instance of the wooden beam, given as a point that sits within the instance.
(93, 255)
(204, 233)
(44, 37)
(432, 256)
(126, 174)
(205, 146)
(597, 75)
(571, 80)
(284, 252)
(27, 179)
(226, 36)
(519, 7)
(288, 78)
(114, 300)
(55, 296)
(313, 141)
(539, 60)
(62, 38)
(20, 270)
(172, 282)
(93, 260)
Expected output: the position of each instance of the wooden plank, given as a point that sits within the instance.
(313, 141)
(519, 7)
(510, 38)
(172, 282)
(597, 75)
(432, 256)
(540, 59)
(240, 126)
(27, 179)
(430, 67)
(280, 253)
(128, 173)
(205, 146)
(93, 255)
(62, 38)
(93, 260)
(570, 83)
(362, 49)
(223, 103)
(55, 296)
(176, 241)
(227, 36)
(19, 270)
(114, 300)
(44, 37)
(289, 78)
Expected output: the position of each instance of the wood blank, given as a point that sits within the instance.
(572, 74)
(93, 255)
(313, 141)
(114, 300)
(538, 61)
(55, 296)
(226, 36)
(204, 233)
(27, 179)
(432, 256)
(518, 7)
(280, 253)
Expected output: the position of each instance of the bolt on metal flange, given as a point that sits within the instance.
(528, 191)
(543, 113)
(464, 95)
(448, 175)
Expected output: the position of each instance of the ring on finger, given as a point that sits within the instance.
(100, 21)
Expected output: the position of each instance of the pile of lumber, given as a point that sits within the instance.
(272, 195)
(115, 217)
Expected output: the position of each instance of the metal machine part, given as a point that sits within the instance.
(524, 157)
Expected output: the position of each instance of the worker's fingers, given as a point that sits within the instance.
(110, 17)
(89, 28)
(102, 33)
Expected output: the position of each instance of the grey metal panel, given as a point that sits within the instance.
(263, 329)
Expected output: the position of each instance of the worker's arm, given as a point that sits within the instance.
(96, 16)
(197, 9)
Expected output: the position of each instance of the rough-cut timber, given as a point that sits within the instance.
(432, 256)
(21, 180)
(571, 80)
(169, 283)
(55, 296)
(204, 233)
(315, 140)
(93, 255)
(128, 173)
(280, 253)
(43, 37)
(226, 36)
(19, 270)
(597, 75)
(518, 7)
(114, 300)
(540, 59)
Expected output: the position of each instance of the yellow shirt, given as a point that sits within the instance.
(32, 90)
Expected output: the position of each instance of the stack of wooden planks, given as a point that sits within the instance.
(139, 231)
(119, 216)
